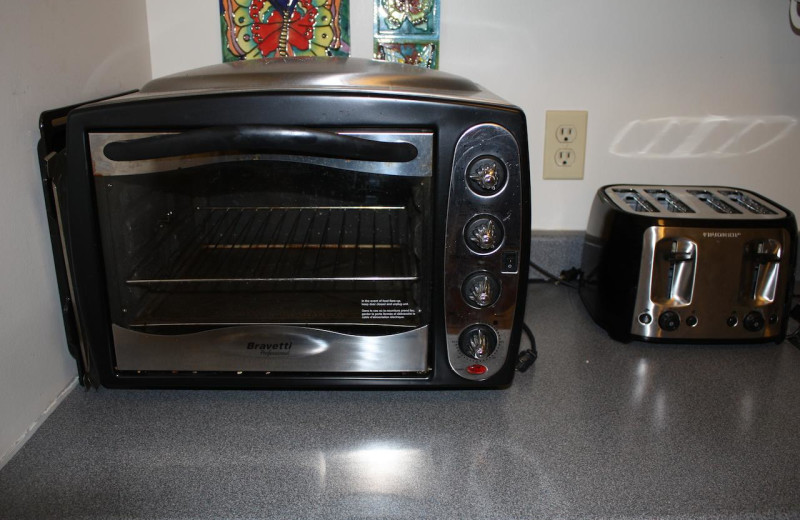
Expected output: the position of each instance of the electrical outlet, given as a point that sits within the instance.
(565, 157)
(565, 144)
(566, 133)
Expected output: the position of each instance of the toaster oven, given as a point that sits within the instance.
(291, 223)
(689, 264)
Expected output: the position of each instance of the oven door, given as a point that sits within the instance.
(260, 249)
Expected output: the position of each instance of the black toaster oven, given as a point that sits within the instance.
(693, 264)
(300, 223)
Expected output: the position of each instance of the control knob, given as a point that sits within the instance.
(669, 321)
(753, 321)
(478, 341)
(480, 289)
(484, 234)
(486, 175)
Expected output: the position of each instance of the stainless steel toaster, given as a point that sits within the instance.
(688, 264)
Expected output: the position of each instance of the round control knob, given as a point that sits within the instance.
(486, 175)
(478, 341)
(483, 234)
(691, 321)
(480, 290)
(669, 321)
(754, 321)
(732, 321)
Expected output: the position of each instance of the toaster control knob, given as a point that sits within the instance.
(669, 321)
(480, 290)
(486, 175)
(483, 234)
(478, 341)
(754, 321)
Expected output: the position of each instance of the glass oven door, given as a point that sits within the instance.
(256, 249)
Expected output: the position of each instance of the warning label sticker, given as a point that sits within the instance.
(385, 309)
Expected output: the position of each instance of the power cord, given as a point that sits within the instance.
(528, 356)
(564, 279)
(794, 337)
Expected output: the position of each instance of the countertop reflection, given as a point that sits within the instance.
(596, 429)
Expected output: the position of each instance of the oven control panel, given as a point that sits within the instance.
(482, 256)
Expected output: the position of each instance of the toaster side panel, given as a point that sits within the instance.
(610, 266)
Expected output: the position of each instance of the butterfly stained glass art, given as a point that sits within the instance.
(407, 31)
(284, 28)
(407, 17)
(421, 54)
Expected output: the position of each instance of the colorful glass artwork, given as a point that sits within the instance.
(407, 31)
(422, 54)
(284, 28)
(407, 17)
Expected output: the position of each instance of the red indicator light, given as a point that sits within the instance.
(476, 370)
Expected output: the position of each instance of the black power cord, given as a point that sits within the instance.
(529, 356)
(794, 337)
(564, 279)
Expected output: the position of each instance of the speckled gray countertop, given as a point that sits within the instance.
(596, 429)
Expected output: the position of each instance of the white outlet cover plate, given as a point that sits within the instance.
(555, 119)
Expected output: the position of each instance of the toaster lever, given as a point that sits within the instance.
(678, 256)
(765, 258)
(673, 272)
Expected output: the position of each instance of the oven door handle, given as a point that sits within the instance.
(259, 139)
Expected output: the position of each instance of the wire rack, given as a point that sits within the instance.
(282, 244)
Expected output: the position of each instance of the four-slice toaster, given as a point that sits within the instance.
(688, 264)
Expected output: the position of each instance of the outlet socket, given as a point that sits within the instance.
(565, 144)
(565, 157)
(566, 133)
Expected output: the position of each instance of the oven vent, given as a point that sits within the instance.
(669, 202)
(635, 200)
(714, 202)
(748, 203)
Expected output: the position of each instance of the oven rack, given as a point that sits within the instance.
(281, 244)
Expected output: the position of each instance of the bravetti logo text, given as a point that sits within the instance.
(718, 234)
(269, 346)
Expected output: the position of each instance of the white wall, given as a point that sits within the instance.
(53, 53)
(677, 92)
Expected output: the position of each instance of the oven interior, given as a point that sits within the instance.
(266, 242)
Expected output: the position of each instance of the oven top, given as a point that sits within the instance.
(316, 75)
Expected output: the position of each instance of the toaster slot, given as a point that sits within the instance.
(747, 202)
(635, 200)
(669, 202)
(714, 202)
(761, 269)
(675, 261)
